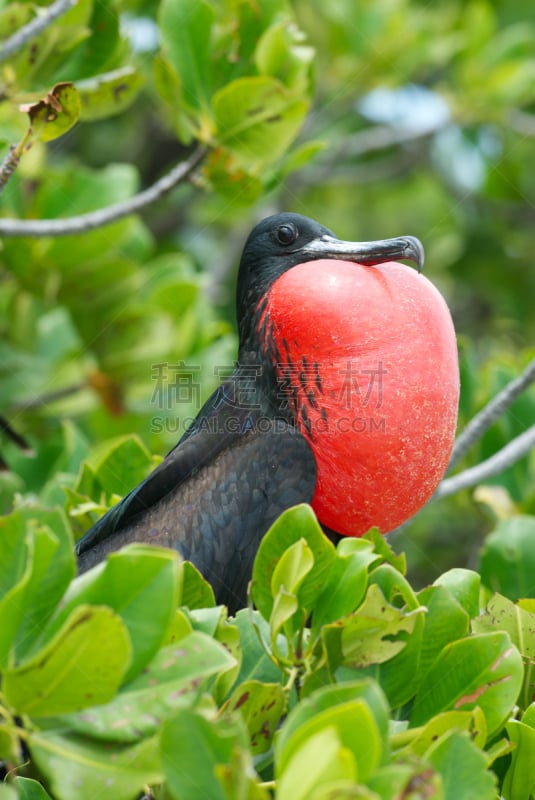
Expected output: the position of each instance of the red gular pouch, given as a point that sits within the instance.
(367, 356)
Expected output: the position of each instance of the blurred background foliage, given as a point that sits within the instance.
(377, 117)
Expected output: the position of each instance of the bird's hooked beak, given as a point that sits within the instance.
(368, 253)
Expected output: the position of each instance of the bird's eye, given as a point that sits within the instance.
(286, 234)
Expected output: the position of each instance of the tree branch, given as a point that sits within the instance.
(490, 413)
(34, 28)
(103, 216)
(381, 137)
(504, 458)
(9, 165)
(13, 435)
(46, 399)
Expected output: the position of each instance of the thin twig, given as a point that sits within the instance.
(519, 447)
(381, 137)
(34, 28)
(47, 399)
(9, 165)
(103, 216)
(13, 435)
(490, 413)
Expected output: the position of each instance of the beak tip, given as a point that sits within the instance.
(415, 251)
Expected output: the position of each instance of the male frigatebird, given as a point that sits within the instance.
(251, 452)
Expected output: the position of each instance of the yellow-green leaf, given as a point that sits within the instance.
(54, 114)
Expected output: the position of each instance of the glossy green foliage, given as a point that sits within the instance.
(125, 685)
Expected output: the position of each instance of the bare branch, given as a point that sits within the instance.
(103, 216)
(46, 399)
(13, 435)
(381, 137)
(34, 28)
(504, 458)
(9, 165)
(490, 413)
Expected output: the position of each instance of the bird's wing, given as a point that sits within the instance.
(216, 427)
(213, 498)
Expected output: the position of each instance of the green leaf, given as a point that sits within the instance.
(257, 118)
(303, 716)
(375, 633)
(256, 664)
(93, 54)
(484, 670)
(185, 27)
(169, 87)
(294, 524)
(141, 584)
(207, 619)
(30, 790)
(463, 768)
(214, 622)
(528, 718)
(346, 583)
(52, 570)
(83, 665)
(261, 706)
(174, 678)
(504, 615)
(472, 723)
(351, 722)
(68, 193)
(394, 586)
(193, 749)
(519, 781)
(37, 62)
(464, 585)
(15, 575)
(508, 558)
(10, 749)
(285, 605)
(78, 767)
(109, 93)
(196, 591)
(400, 780)
(322, 759)
(292, 568)
(383, 549)
(398, 676)
(445, 621)
(230, 179)
(37, 565)
(179, 627)
(289, 573)
(14, 17)
(55, 114)
(119, 464)
(281, 52)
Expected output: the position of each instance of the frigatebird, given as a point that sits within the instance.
(250, 453)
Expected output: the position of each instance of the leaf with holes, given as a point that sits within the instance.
(54, 114)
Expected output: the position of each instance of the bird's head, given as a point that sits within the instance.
(284, 240)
